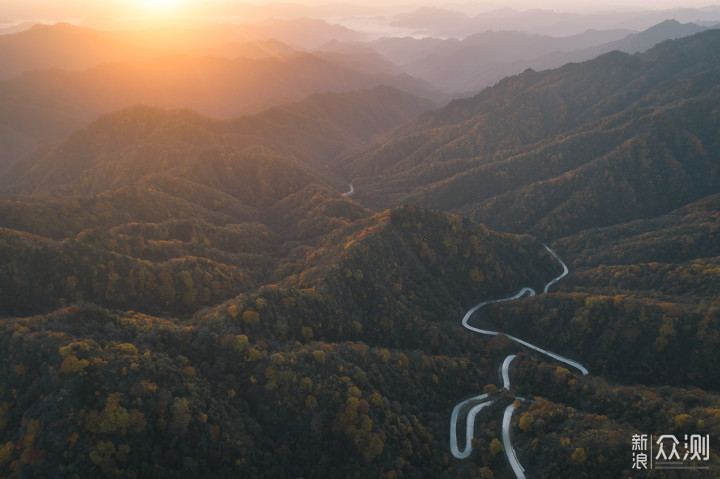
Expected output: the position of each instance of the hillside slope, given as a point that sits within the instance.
(122, 147)
(44, 106)
(538, 152)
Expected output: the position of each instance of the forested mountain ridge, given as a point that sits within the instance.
(43, 106)
(58, 78)
(197, 182)
(138, 226)
(478, 60)
(214, 86)
(345, 279)
(189, 297)
(536, 141)
(115, 149)
(74, 48)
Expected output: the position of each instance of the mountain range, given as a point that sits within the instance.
(533, 154)
(444, 22)
(282, 294)
(78, 48)
(43, 106)
(47, 94)
(482, 59)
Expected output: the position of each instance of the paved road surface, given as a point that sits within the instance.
(470, 422)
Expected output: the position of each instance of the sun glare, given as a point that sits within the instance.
(161, 4)
(164, 6)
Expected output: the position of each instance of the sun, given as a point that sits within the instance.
(164, 6)
(161, 4)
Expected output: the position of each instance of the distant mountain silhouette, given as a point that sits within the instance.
(53, 103)
(667, 30)
(63, 46)
(444, 22)
(299, 33)
(71, 47)
(481, 59)
(357, 57)
(121, 148)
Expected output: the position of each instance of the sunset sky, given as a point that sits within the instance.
(50, 10)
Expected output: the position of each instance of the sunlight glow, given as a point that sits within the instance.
(163, 7)
(160, 3)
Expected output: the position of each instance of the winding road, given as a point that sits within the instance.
(352, 190)
(504, 372)
(469, 425)
(509, 450)
(470, 422)
(562, 263)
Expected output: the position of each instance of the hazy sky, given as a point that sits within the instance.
(77, 9)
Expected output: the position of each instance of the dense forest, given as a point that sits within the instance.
(183, 296)
(556, 152)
